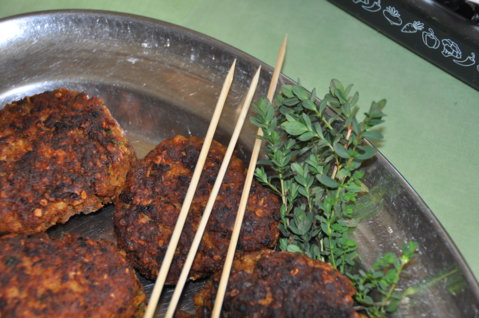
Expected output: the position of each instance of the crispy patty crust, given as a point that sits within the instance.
(281, 284)
(147, 210)
(67, 277)
(61, 153)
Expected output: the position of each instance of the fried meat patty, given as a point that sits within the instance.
(67, 277)
(280, 284)
(61, 153)
(147, 209)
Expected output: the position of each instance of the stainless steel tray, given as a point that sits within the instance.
(160, 80)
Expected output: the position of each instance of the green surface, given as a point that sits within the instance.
(431, 134)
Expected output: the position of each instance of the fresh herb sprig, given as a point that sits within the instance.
(377, 291)
(314, 158)
(314, 152)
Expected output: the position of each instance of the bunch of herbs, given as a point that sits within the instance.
(314, 153)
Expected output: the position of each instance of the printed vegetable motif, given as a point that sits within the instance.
(413, 27)
(451, 49)
(361, 1)
(374, 7)
(430, 39)
(468, 61)
(392, 15)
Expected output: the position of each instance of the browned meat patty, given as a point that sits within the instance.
(281, 284)
(61, 153)
(147, 209)
(67, 277)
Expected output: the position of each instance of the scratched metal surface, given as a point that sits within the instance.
(160, 80)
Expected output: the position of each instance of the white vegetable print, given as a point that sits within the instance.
(412, 27)
(374, 7)
(430, 39)
(468, 61)
(361, 1)
(392, 15)
(450, 49)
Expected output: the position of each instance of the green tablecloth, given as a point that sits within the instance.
(431, 131)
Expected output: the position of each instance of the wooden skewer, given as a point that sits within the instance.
(175, 237)
(212, 198)
(245, 194)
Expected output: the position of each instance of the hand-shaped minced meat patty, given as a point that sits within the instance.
(67, 277)
(147, 210)
(281, 284)
(61, 153)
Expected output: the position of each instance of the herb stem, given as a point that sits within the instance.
(333, 174)
(323, 119)
(332, 257)
(350, 129)
(415, 289)
(283, 191)
(387, 298)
